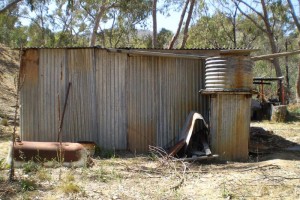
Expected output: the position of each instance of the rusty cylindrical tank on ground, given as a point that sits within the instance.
(228, 82)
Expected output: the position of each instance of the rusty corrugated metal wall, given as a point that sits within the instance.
(230, 125)
(116, 100)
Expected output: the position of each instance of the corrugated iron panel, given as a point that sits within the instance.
(29, 74)
(229, 72)
(80, 116)
(114, 100)
(41, 99)
(50, 62)
(110, 99)
(161, 93)
(229, 125)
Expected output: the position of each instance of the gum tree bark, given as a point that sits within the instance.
(98, 17)
(187, 23)
(267, 28)
(171, 45)
(297, 23)
(154, 36)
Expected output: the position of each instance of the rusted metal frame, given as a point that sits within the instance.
(262, 90)
(282, 99)
(259, 83)
(63, 114)
(223, 91)
(159, 54)
(268, 79)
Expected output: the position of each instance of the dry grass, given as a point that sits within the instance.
(274, 175)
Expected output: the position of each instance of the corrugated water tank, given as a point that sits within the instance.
(228, 81)
(228, 72)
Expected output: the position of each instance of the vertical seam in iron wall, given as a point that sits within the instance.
(95, 118)
(125, 126)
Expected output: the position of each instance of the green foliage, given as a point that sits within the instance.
(30, 167)
(11, 32)
(43, 175)
(108, 153)
(70, 187)
(4, 122)
(106, 176)
(163, 38)
(3, 164)
(210, 32)
(28, 184)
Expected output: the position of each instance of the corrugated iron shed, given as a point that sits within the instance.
(121, 99)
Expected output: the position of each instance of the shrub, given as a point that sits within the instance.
(69, 187)
(28, 184)
(30, 166)
(4, 122)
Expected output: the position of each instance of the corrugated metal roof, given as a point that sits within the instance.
(133, 48)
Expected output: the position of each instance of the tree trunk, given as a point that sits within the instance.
(267, 29)
(297, 23)
(275, 61)
(187, 23)
(294, 15)
(98, 17)
(171, 45)
(298, 85)
(271, 38)
(154, 36)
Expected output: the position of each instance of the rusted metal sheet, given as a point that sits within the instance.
(228, 72)
(80, 116)
(116, 100)
(110, 71)
(161, 91)
(229, 126)
(29, 78)
(186, 133)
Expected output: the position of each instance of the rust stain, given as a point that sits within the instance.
(29, 69)
(40, 151)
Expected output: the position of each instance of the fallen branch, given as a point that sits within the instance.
(170, 161)
(260, 167)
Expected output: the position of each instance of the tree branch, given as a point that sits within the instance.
(250, 18)
(294, 14)
(187, 23)
(179, 25)
(9, 6)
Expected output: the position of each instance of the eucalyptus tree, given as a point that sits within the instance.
(11, 31)
(296, 20)
(121, 16)
(40, 30)
(154, 21)
(211, 31)
(268, 16)
(7, 5)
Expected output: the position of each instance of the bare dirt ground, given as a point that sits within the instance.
(8, 70)
(272, 174)
(272, 171)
